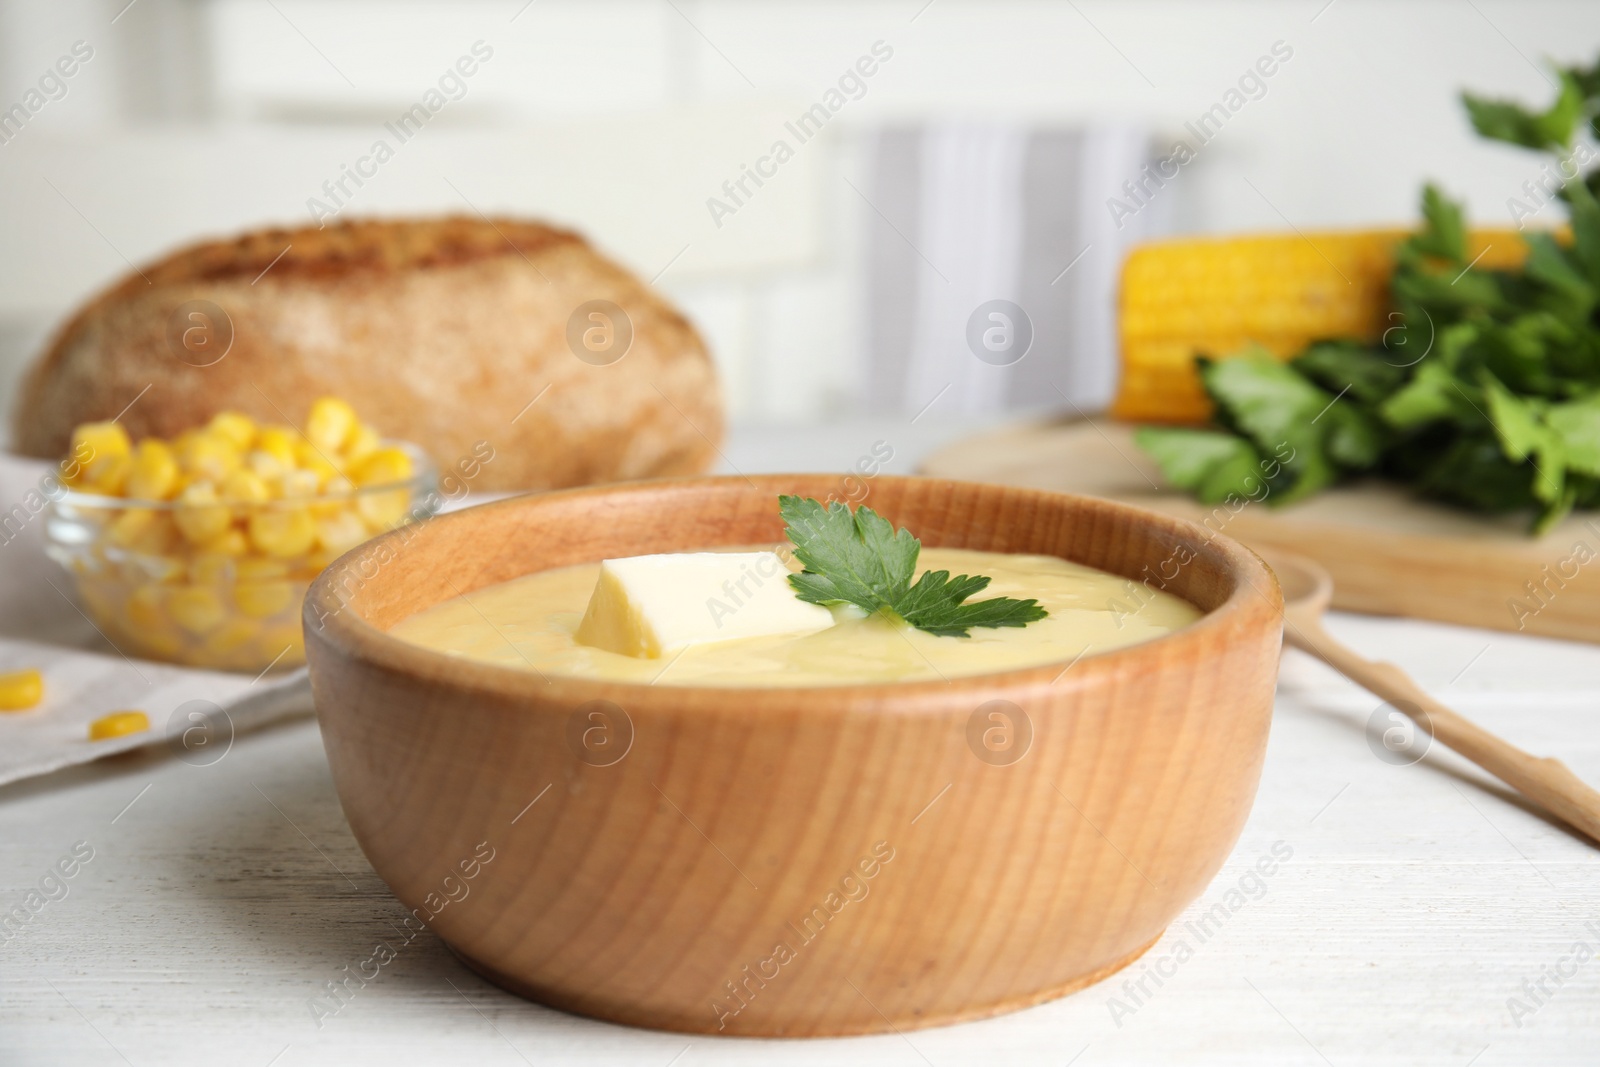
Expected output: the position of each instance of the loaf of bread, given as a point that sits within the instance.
(444, 332)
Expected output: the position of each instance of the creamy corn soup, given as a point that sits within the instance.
(532, 622)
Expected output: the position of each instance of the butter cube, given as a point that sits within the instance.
(648, 606)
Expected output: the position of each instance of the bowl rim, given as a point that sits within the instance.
(345, 633)
(424, 476)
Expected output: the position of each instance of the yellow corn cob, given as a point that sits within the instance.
(1214, 296)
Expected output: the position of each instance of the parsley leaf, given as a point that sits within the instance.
(860, 558)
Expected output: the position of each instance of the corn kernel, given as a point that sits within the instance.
(385, 466)
(230, 636)
(334, 498)
(230, 542)
(286, 638)
(195, 608)
(118, 724)
(160, 569)
(211, 568)
(198, 516)
(298, 483)
(340, 532)
(146, 608)
(255, 569)
(311, 459)
(383, 511)
(155, 538)
(268, 466)
(282, 532)
(278, 442)
(330, 423)
(101, 451)
(245, 487)
(153, 475)
(235, 426)
(130, 526)
(361, 444)
(210, 456)
(21, 690)
(264, 598)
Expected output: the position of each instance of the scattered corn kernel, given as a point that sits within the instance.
(118, 724)
(235, 426)
(153, 474)
(21, 690)
(282, 532)
(330, 423)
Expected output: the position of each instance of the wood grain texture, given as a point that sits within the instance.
(647, 887)
(1389, 553)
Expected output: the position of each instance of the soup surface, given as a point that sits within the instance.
(530, 622)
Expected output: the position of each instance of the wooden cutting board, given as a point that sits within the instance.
(1389, 554)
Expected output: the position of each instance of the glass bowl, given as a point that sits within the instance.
(154, 592)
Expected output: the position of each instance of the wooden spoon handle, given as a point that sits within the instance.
(1546, 782)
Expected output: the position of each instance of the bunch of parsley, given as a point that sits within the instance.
(1487, 395)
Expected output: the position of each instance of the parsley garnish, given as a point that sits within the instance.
(860, 558)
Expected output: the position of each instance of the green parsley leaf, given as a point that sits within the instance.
(1278, 409)
(1336, 365)
(1577, 424)
(860, 558)
(1208, 463)
(1444, 230)
(1501, 120)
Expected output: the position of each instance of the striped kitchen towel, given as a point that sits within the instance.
(992, 259)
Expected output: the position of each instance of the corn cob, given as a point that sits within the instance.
(1210, 296)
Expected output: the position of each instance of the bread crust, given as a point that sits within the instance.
(439, 331)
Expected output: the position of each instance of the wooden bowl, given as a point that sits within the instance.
(799, 862)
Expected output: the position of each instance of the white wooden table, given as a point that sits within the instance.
(1417, 902)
